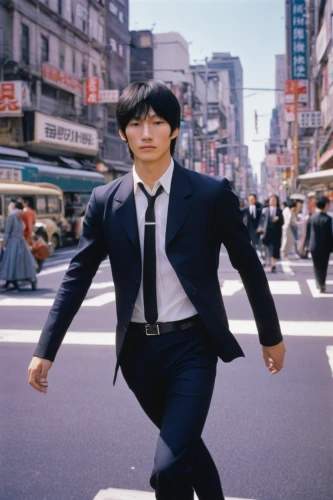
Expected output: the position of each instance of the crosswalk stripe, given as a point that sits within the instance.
(315, 292)
(238, 327)
(329, 352)
(117, 494)
(98, 301)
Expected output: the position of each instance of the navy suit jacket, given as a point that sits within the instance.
(203, 214)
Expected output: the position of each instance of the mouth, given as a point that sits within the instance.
(147, 148)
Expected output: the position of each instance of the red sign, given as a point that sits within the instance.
(280, 160)
(91, 90)
(10, 98)
(61, 79)
(303, 91)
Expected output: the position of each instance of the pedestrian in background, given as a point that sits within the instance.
(28, 215)
(289, 229)
(17, 263)
(271, 228)
(319, 241)
(162, 227)
(252, 217)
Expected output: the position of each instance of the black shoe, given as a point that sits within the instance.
(322, 289)
(273, 269)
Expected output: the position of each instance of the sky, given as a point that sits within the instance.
(254, 30)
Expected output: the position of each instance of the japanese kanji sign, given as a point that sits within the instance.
(65, 134)
(11, 98)
(92, 90)
(299, 48)
(59, 78)
(310, 119)
(302, 92)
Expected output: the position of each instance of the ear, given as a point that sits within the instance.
(123, 136)
(175, 133)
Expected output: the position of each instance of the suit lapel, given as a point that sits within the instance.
(179, 203)
(126, 209)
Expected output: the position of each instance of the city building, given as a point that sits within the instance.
(115, 154)
(47, 49)
(141, 56)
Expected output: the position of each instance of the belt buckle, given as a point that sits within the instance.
(154, 328)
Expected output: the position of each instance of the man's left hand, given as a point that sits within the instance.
(274, 357)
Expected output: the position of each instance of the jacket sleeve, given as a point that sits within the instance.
(83, 267)
(330, 234)
(244, 258)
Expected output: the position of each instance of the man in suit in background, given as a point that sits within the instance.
(162, 227)
(319, 241)
(252, 216)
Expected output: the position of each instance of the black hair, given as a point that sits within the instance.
(291, 203)
(19, 205)
(139, 97)
(252, 194)
(321, 202)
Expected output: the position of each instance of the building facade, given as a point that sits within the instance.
(47, 50)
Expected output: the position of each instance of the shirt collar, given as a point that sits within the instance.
(164, 181)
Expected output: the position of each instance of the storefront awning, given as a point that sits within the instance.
(321, 179)
(325, 158)
(13, 153)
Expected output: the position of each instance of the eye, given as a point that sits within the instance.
(158, 122)
(134, 124)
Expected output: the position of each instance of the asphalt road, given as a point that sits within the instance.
(271, 436)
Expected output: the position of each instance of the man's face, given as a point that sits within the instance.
(252, 200)
(299, 206)
(149, 137)
(272, 201)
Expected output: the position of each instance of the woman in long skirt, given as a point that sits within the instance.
(17, 263)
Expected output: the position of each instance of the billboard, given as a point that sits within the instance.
(280, 160)
(11, 98)
(298, 38)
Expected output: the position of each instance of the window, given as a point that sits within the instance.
(121, 16)
(84, 70)
(41, 205)
(113, 8)
(72, 11)
(94, 70)
(25, 49)
(84, 26)
(45, 49)
(73, 62)
(60, 7)
(121, 50)
(113, 45)
(145, 41)
(53, 205)
(61, 58)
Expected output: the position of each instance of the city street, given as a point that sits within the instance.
(271, 436)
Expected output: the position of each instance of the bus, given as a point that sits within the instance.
(46, 199)
(76, 185)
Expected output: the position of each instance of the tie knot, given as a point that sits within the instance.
(151, 199)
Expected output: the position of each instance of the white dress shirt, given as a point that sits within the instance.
(253, 211)
(273, 212)
(172, 302)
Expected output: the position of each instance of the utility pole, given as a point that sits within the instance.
(205, 124)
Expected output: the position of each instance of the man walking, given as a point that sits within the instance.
(252, 216)
(162, 227)
(319, 241)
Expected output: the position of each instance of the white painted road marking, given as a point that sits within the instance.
(53, 270)
(230, 287)
(238, 327)
(99, 301)
(285, 264)
(329, 352)
(116, 494)
(315, 292)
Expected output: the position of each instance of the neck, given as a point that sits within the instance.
(151, 172)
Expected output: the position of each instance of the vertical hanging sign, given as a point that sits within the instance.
(299, 43)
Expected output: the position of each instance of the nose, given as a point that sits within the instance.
(146, 132)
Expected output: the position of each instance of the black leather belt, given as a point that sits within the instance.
(163, 328)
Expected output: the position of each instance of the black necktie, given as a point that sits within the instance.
(149, 259)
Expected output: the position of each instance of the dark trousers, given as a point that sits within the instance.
(172, 377)
(320, 264)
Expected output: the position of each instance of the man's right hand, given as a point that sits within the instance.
(37, 373)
